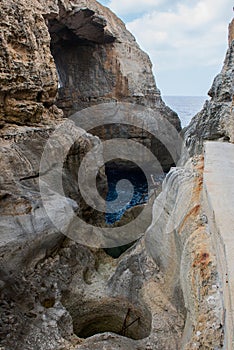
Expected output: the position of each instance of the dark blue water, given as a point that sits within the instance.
(124, 194)
(185, 106)
(135, 191)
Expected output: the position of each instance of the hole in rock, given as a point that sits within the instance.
(115, 315)
(116, 252)
(121, 183)
(48, 302)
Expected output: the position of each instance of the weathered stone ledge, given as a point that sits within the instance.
(219, 198)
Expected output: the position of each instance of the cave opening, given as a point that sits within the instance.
(116, 252)
(79, 48)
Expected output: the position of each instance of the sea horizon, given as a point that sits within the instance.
(185, 106)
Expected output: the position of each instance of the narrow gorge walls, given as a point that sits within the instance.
(60, 61)
(98, 61)
(57, 58)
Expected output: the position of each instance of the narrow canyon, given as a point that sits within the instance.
(79, 103)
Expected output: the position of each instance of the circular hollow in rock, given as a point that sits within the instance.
(116, 316)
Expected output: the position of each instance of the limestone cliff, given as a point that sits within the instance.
(180, 243)
(58, 57)
(96, 59)
(28, 73)
(167, 290)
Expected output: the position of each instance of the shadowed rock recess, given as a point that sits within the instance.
(167, 290)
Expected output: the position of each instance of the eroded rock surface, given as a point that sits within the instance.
(97, 60)
(165, 292)
(56, 58)
(73, 55)
(28, 73)
(58, 294)
(180, 243)
(77, 293)
(24, 224)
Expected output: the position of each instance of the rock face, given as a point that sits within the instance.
(165, 291)
(56, 58)
(78, 293)
(97, 60)
(73, 55)
(231, 32)
(28, 74)
(180, 243)
(215, 121)
(23, 216)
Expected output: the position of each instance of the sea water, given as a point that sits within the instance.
(185, 106)
(134, 191)
(127, 196)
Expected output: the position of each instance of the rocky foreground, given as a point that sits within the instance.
(172, 289)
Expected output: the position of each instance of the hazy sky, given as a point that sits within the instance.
(186, 39)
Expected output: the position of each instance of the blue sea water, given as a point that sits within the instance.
(185, 106)
(127, 196)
